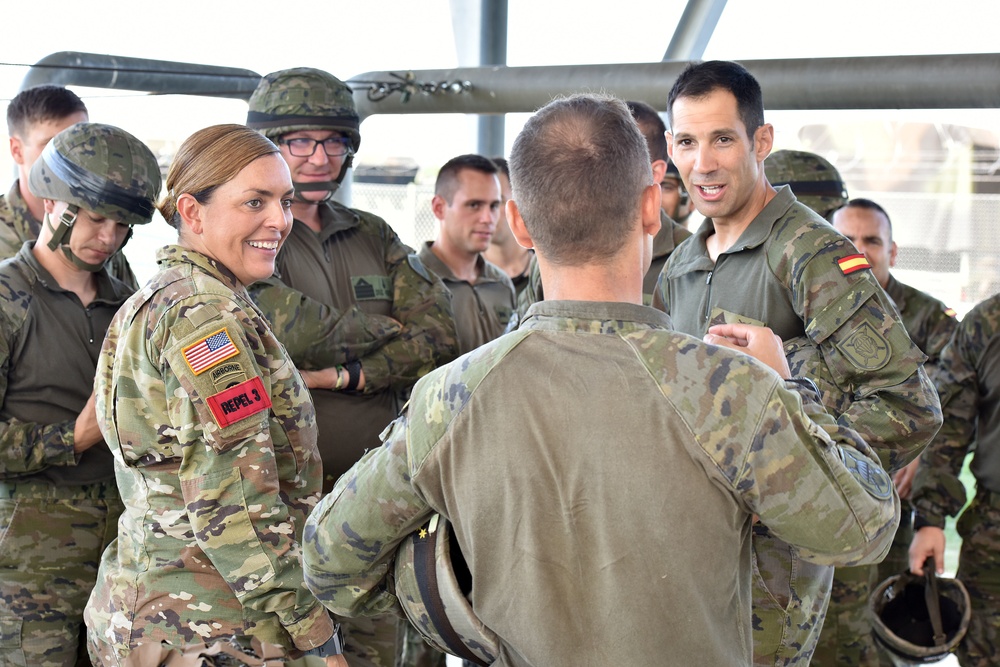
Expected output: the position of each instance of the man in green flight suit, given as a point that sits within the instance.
(762, 258)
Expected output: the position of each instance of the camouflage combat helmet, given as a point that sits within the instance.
(814, 181)
(432, 585)
(910, 629)
(305, 98)
(99, 168)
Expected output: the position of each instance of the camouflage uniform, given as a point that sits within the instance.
(482, 311)
(968, 379)
(793, 272)
(58, 510)
(553, 544)
(216, 460)
(847, 637)
(666, 240)
(17, 225)
(814, 181)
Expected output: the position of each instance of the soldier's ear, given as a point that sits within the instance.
(438, 205)
(517, 226)
(191, 212)
(659, 171)
(17, 150)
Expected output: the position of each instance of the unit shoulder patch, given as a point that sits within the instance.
(871, 476)
(239, 402)
(866, 348)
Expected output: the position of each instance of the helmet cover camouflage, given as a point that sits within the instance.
(303, 98)
(814, 181)
(432, 584)
(903, 624)
(100, 168)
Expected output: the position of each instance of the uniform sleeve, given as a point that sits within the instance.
(316, 335)
(28, 447)
(816, 484)
(422, 304)
(939, 329)
(866, 349)
(351, 537)
(229, 478)
(937, 490)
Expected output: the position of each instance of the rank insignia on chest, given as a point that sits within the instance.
(210, 350)
(239, 402)
(853, 263)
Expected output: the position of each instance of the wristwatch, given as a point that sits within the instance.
(333, 646)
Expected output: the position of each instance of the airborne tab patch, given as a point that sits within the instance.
(239, 402)
(853, 263)
(871, 476)
(209, 351)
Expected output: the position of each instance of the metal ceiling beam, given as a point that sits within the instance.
(694, 30)
(72, 68)
(960, 81)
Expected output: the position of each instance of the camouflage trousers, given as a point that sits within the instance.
(370, 642)
(51, 541)
(979, 570)
(790, 596)
(846, 638)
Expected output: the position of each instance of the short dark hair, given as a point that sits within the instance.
(868, 205)
(39, 104)
(701, 79)
(652, 128)
(446, 184)
(502, 165)
(578, 170)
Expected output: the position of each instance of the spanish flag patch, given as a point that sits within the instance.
(950, 312)
(853, 263)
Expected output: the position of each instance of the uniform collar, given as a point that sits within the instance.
(335, 217)
(174, 255)
(663, 242)
(593, 316)
(106, 289)
(487, 272)
(894, 289)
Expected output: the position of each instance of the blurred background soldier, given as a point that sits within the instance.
(349, 261)
(59, 504)
(812, 179)
(674, 198)
(847, 632)
(466, 204)
(504, 250)
(968, 380)
(34, 116)
(760, 258)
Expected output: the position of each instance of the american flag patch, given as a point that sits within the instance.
(209, 351)
(853, 263)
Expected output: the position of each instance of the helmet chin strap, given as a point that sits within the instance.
(62, 232)
(330, 187)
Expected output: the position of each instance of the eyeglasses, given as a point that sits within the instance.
(305, 147)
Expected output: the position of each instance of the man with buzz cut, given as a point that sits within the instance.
(763, 258)
(350, 274)
(34, 116)
(574, 514)
(466, 204)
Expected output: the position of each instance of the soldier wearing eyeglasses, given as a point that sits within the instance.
(352, 263)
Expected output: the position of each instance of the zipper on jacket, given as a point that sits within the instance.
(708, 297)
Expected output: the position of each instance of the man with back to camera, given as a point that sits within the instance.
(34, 116)
(504, 250)
(581, 548)
(671, 232)
(847, 637)
(354, 265)
(762, 258)
(466, 204)
(59, 504)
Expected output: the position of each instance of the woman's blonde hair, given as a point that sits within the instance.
(207, 159)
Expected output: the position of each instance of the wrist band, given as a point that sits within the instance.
(353, 374)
